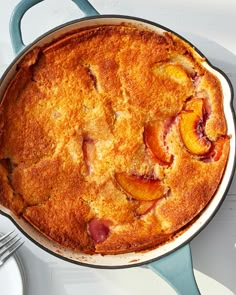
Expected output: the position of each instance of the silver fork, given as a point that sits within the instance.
(8, 245)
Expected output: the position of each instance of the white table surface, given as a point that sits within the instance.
(208, 24)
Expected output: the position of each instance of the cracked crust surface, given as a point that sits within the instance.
(74, 115)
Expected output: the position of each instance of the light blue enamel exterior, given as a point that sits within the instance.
(20, 10)
(175, 268)
(86, 7)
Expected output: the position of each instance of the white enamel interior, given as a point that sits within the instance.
(130, 259)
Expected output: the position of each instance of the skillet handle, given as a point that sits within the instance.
(176, 268)
(20, 10)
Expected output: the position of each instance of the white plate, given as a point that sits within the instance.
(11, 279)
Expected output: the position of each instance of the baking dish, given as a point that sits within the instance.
(133, 259)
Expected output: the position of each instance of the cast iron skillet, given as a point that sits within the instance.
(173, 260)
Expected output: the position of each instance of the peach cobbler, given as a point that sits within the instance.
(112, 139)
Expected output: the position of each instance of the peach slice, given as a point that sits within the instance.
(218, 147)
(216, 150)
(175, 72)
(191, 125)
(154, 138)
(140, 187)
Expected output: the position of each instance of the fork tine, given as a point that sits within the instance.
(9, 246)
(7, 241)
(5, 236)
(12, 251)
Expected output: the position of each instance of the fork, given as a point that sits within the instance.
(8, 246)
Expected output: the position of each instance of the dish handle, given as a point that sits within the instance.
(176, 268)
(24, 5)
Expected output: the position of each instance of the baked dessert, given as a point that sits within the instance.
(113, 139)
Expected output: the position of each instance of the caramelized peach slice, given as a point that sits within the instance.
(154, 138)
(218, 147)
(176, 72)
(140, 188)
(191, 124)
(216, 150)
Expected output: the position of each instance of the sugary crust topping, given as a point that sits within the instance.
(101, 147)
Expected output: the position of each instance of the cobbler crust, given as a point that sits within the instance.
(74, 115)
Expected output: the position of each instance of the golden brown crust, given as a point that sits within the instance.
(74, 116)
